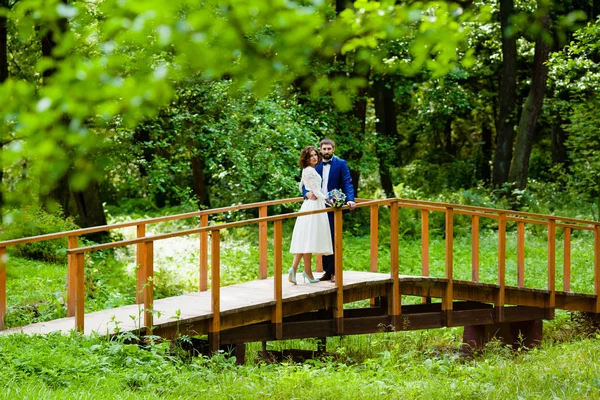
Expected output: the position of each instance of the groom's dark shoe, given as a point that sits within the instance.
(326, 277)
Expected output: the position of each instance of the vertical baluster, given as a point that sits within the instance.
(500, 298)
(72, 243)
(449, 292)
(374, 238)
(567, 260)
(394, 265)
(79, 292)
(521, 254)
(475, 248)
(277, 319)
(203, 278)
(374, 224)
(2, 287)
(339, 278)
(140, 254)
(262, 244)
(552, 262)
(214, 331)
(425, 247)
(148, 287)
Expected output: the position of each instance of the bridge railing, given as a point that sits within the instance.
(145, 252)
(140, 225)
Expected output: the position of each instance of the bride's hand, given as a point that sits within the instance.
(311, 196)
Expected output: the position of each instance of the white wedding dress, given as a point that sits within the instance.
(311, 232)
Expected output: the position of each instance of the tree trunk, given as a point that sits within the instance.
(507, 97)
(531, 109)
(559, 137)
(3, 77)
(90, 211)
(387, 131)
(484, 172)
(200, 181)
(85, 206)
(359, 115)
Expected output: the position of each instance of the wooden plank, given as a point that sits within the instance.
(567, 260)
(262, 244)
(500, 298)
(277, 318)
(396, 303)
(148, 288)
(203, 278)
(475, 248)
(449, 267)
(215, 289)
(552, 262)
(72, 243)
(2, 287)
(79, 292)
(140, 254)
(374, 225)
(338, 312)
(521, 254)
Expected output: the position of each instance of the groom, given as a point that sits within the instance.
(336, 175)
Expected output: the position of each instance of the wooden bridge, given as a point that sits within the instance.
(270, 309)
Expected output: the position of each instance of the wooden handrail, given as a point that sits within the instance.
(212, 228)
(94, 229)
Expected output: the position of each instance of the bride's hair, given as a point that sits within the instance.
(305, 156)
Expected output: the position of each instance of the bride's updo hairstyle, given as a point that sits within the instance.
(305, 156)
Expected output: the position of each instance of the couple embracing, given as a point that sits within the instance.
(313, 234)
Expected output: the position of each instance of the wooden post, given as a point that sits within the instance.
(449, 292)
(72, 243)
(203, 279)
(338, 312)
(475, 248)
(597, 266)
(425, 247)
(521, 254)
(2, 287)
(262, 244)
(567, 260)
(552, 262)
(394, 266)
(214, 328)
(148, 287)
(79, 292)
(140, 253)
(374, 222)
(374, 238)
(277, 319)
(500, 298)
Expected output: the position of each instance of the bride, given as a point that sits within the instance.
(311, 232)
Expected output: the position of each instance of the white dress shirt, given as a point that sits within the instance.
(326, 168)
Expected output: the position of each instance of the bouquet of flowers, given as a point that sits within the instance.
(336, 198)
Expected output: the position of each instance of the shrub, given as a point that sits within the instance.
(33, 221)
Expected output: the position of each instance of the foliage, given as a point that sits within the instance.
(33, 221)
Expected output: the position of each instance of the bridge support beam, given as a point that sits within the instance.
(515, 334)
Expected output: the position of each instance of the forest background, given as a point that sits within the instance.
(205, 105)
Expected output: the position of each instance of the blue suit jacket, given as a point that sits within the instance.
(339, 177)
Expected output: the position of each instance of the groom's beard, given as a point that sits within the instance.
(327, 159)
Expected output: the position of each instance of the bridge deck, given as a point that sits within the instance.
(253, 302)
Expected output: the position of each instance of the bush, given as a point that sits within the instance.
(33, 221)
